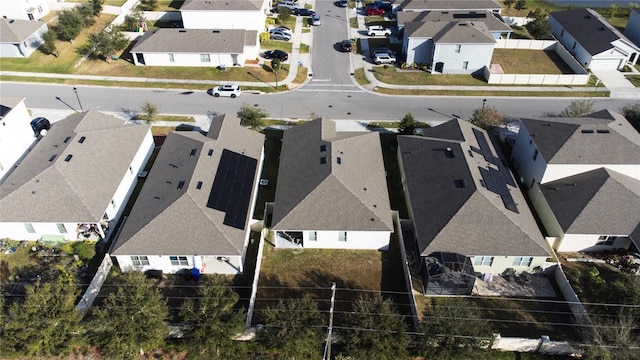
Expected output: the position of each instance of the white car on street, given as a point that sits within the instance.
(375, 30)
(230, 90)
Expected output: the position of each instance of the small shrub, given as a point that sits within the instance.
(578, 108)
(264, 36)
(85, 250)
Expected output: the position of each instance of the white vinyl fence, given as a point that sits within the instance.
(96, 284)
(580, 76)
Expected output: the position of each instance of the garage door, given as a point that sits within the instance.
(606, 64)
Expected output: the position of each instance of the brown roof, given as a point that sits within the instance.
(16, 31)
(224, 41)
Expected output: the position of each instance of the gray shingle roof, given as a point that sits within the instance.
(16, 31)
(347, 193)
(165, 221)
(449, 4)
(222, 5)
(225, 41)
(489, 18)
(452, 211)
(464, 32)
(40, 190)
(600, 201)
(609, 139)
(7, 104)
(589, 29)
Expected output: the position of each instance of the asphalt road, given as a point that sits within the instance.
(338, 105)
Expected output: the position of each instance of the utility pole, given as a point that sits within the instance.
(327, 346)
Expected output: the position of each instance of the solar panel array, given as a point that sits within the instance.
(485, 150)
(494, 181)
(231, 190)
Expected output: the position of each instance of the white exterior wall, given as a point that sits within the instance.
(18, 230)
(25, 48)
(477, 56)
(559, 171)
(527, 169)
(248, 20)
(587, 242)
(632, 31)
(187, 59)
(613, 59)
(360, 240)
(418, 50)
(501, 263)
(16, 136)
(17, 9)
(583, 57)
(206, 264)
(130, 178)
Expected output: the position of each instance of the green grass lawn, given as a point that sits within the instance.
(169, 5)
(392, 75)
(519, 61)
(634, 79)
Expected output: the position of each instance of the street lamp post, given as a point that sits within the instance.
(484, 102)
(75, 90)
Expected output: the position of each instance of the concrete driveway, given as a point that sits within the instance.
(618, 84)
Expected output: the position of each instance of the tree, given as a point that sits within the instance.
(451, 329)
(96, 6)
(578, 108)
(539, 28)
(106, 43)
(85, 250)
(132, 21)
(632, 113)
(148, 5)
(86, 13)
(70, 24)
(613, 10)
(407, 125)
(46, 324)
(487, 117)
(211, 320)
(251, 116)
(275, 66)
(284, 14)
(375, 330)
(509, 3)
(149, 111)
(293, 327)
(49, 43)
(131, 319)
(521, 5)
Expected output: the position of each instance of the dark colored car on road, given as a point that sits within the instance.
(345, 45)
(373, 11)
(303, 12)
(276, 54)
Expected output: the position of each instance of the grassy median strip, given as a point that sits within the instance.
(493, 93)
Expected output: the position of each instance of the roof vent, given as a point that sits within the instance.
(52, 157)
(450, 153)
(601, 28)
(323, 160)
(180, 185)
(460, 183)
(323, 148)
(82, 139)
(602, 131)
(339, 160)
(182, 30)
(587, 131)
(555, 188)
(68, 158)
(66, 140)
(215, 31)
(193, 152)
(199, 185)
(210, 152)
(547, 124)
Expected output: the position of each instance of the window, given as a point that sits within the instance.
(313, 236)
(139, 260)
(61, 228)
(323, 160)
(342, 236)
(323, 148)
(458, 47)
(606, 240)
(465, 65)
(535, 154)
(179, 260)
(522, 260)
(171, 59)
(483, 260)
(29, 228)
(205, 58)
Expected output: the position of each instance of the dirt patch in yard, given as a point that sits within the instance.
(519, 61)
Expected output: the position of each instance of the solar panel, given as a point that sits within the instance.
(485, 151)
(232, 185)
(495, 183)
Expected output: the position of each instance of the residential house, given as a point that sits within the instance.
(196, 47)
(225, 14)
(20, 38)
(469, 216)
(16, 135)
(196, 205)
(457, 47)
(493, 21)
(582, 177)
(632, 31)
(24, 9)
(448, 5)
(331, 191)
(589, 37)
(75, 182)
